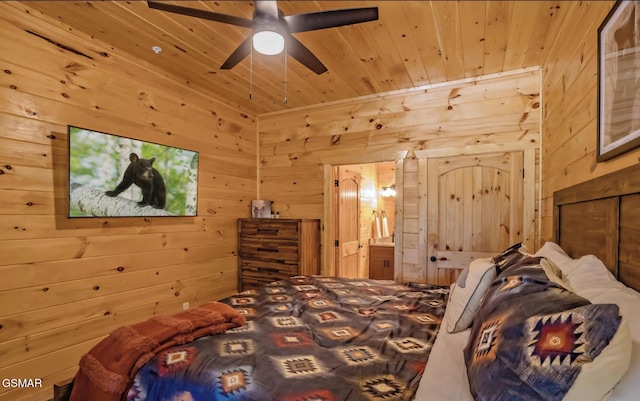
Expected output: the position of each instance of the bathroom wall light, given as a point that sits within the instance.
(388, 192)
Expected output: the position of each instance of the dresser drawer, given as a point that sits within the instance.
(381, 251)
(255, 248)
(270, 229)
(264, 266)
(254, 282)
(263, 276)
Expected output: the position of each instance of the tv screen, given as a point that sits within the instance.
(115, 176)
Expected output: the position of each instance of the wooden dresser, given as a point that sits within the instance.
(275, 249)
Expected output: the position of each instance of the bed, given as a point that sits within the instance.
(306, 338)
(596, 251)
(321, 338)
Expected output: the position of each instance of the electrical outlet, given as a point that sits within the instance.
(185, 305)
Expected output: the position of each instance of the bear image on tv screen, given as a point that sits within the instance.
(141, 173)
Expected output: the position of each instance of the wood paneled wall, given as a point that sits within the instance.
(570, 77)
(66, 283)
(477, 115)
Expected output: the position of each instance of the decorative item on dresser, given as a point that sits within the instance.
(272, 250)
(381, 261)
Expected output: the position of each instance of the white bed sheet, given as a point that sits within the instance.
(445, 376)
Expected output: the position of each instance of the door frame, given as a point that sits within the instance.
(329, 251)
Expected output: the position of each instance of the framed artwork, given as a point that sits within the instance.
(619, 81)
(116, 176)
(261, 209)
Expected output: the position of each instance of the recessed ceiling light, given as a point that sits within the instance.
(156, 49)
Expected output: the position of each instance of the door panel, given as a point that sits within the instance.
(475, 208)
(348, 224)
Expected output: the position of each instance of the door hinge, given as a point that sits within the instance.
(336, 243)
(336, 183)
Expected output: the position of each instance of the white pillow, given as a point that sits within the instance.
(589, 278)
(467, 293)
(558, 257)
(593, 281)
(553, 273)
(598, 377)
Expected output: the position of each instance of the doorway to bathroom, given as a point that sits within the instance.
(363, 216)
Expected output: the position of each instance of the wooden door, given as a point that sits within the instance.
(348, 223)
(474, 209)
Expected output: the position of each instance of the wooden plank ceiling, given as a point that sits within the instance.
(414, 43)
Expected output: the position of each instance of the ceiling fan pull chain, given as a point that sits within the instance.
(285, 72)
(251, 72)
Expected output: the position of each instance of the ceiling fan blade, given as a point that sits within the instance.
(266, 7)
(330, 19)
(238, 54)
(208, 15)
(299, 51)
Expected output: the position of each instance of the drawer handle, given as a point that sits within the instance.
(268, 230)
(266, 269)
(267, 250)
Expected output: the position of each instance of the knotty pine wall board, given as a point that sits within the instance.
(67, 283)
(569, 121)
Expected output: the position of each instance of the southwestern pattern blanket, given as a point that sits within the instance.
(307, 338)
(107, 370)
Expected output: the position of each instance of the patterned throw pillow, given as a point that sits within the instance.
(467, 293)
(472, 284)
(533, 339)
(509, 256)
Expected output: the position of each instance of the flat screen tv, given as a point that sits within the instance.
(116, 176)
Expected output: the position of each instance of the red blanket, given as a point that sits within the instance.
(107, 371)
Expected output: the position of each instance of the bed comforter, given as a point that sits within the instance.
(308, 338)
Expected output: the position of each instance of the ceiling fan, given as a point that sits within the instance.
(271, 28)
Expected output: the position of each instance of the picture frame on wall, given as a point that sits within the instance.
(619, 81)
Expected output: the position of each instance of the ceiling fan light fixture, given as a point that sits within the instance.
(268, 42)
(272, 29)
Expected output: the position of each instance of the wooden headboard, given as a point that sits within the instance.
(602, 217)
